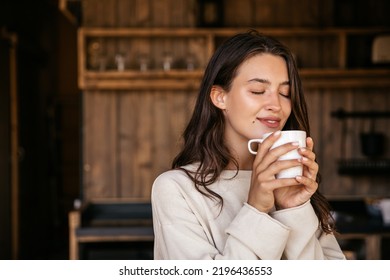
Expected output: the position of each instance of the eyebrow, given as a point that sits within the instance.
(265, 81)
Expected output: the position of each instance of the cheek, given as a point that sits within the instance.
(241, 112)
(286, 105)
(240, 103)
(248, 110)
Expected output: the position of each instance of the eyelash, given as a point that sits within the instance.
(285, 95)
(258, 92)
(262, 92)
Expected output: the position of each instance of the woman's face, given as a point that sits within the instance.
(259, 99)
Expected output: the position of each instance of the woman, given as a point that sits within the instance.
(221, 202)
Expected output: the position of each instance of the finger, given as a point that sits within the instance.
(272, 185)
(269, 154)
(280, 165)
(309, 143)
(271, 164)
(264, 147)
(311, 164)
(311, 169)
(305, 152)
(310, 185)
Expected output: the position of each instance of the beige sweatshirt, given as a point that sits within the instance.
(188, 225)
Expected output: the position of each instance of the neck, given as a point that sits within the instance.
(243, 158)
(238, 148)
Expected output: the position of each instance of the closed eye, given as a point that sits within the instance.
(287, 95)
(258, 92)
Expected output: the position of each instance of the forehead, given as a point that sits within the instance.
(263, 66)
(264, 61)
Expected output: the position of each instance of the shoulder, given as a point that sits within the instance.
(178, 175)
(173, 194)
(176, 180)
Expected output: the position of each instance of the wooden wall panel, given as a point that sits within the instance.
(238, 13)
(339, 139)
(332, 139)
(99, 145)
(313, 52)
(100, 13)
(271, 13)
(129, 139)
(313, 98)
(133, 13)
(136, 176)
(139, 13)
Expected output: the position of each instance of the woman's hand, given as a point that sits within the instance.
(266, 191)
(305, 185)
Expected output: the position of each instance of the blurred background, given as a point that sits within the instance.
(94, 96)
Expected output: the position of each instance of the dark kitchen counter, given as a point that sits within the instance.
(357, 221)
(355, 216)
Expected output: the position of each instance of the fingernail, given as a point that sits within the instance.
(277, 133)
(303, 159)
(295, 143)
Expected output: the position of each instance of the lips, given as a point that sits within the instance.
(271, 122)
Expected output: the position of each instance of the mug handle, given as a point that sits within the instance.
(250, 145)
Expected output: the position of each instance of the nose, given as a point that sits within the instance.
(273, 102)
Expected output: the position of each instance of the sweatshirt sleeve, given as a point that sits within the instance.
(306, 239)
(265, 236)
(182, 232)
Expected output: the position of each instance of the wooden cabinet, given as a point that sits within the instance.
(160, 58)
(126, 58)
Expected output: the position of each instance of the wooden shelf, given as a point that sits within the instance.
(332, 71)
(182, 79)
(142, 84)
(133, 74)
(345, 78)
(138, 80)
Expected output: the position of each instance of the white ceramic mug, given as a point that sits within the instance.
(287, 136)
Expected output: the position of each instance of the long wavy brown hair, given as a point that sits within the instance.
(204, 142)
